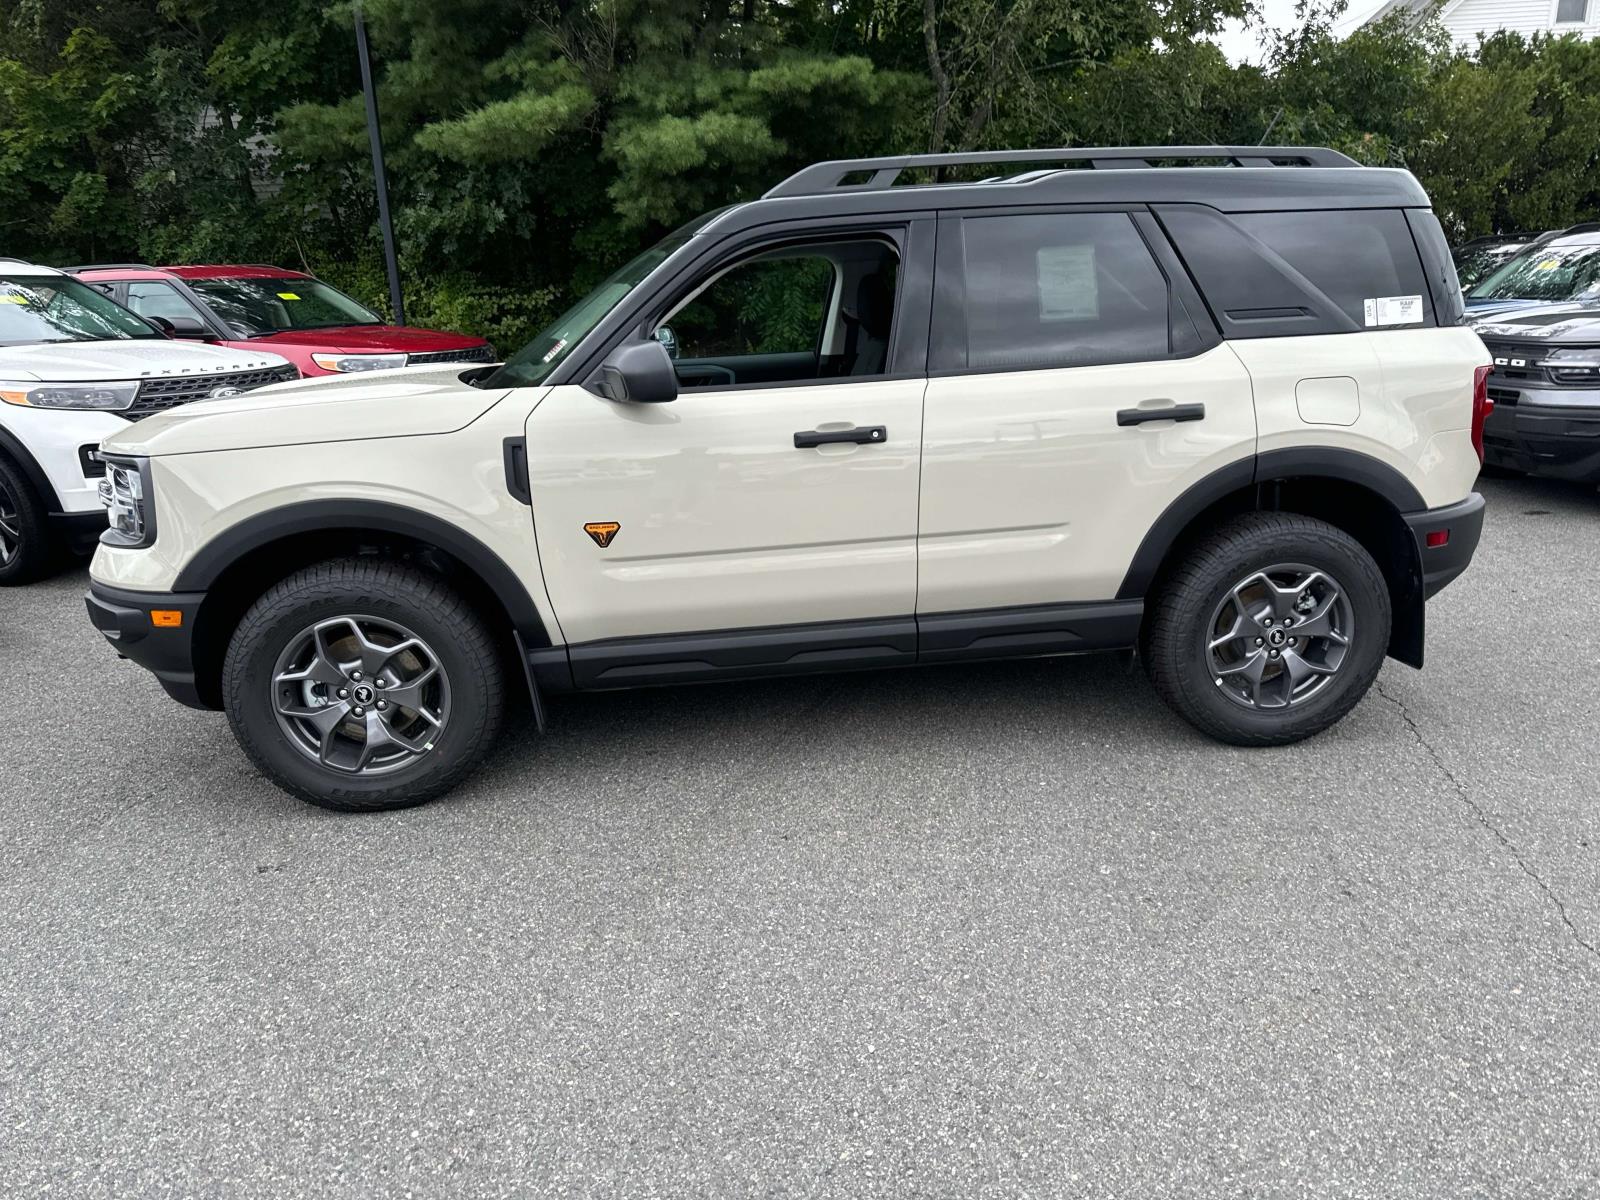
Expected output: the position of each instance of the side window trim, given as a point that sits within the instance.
(911, 232)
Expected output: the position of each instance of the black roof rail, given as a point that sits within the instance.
(1580, 227)
(829, 176)
(108, 267)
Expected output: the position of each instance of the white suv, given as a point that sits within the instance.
(76, 367)
(1224, 414)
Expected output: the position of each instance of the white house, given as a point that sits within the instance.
(1466, 19)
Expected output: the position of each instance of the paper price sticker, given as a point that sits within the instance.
(1392, 310)
(287, 296)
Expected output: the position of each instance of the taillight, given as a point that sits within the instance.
(1482, 406)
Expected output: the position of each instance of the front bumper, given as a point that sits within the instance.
(79, 532)
(1557, 440)
(124, 617)
(1458, 526)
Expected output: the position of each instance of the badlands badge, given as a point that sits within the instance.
(602, 532)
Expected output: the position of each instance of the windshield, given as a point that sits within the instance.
(1473, 263)
(58, 308)
(534, 362)
(1550, 273)
(266, 305)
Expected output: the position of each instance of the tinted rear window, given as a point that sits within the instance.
(1362, 259)
(1061, 290)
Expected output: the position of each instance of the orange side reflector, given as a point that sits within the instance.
(166, 618)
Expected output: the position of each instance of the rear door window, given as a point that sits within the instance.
(1061, 290)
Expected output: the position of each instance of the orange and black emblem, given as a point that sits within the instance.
(602, 532)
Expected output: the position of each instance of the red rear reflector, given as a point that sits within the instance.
(1438, 537)
(1482, 406)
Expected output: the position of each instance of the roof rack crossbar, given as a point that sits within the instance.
(883, 172)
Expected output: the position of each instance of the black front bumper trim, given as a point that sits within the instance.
(123, 616)
(1463, 522)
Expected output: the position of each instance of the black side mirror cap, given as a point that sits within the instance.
(637, 373)
(161, 325)
(189, 327)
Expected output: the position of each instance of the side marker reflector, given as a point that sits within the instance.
(172, 618)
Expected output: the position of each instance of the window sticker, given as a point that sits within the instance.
(1392, 310)
(13, 298)
(1068, 290)
(287, 296)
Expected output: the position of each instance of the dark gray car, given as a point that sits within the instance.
(1546, 391)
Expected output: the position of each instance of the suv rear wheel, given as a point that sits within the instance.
(363, 684)
(1272, 630)
(25, 549)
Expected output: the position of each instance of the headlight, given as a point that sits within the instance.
(107, 397)
(1574, 366)
(130, 506)
(358, 362)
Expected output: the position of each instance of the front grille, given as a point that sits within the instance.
(1507, 356)
(1503, 396)
(158, 395)
(470, 354)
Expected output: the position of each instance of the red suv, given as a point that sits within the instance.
(316, 327)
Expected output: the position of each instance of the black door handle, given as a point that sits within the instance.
(866, 435)
(1177, 412)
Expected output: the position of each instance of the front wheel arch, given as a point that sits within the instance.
(239, 566)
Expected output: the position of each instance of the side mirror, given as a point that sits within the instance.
(189, 327)
(161, 325)
(638, 373)
(669, 339)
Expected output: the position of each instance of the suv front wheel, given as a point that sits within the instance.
(1272, 630)
(363, 684)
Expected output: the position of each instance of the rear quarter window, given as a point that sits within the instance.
(1364, 260)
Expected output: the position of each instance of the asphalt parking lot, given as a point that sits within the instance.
(997, 930)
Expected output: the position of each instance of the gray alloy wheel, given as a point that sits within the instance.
(10, 526)
(360, 694)
(1279, 636)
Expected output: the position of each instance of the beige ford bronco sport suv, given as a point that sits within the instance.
(1212, 403)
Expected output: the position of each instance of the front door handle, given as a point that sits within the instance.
(866, 435)
(1176, 412)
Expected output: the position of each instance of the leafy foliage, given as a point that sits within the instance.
(534, 144)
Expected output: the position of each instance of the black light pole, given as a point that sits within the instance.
(380, 178)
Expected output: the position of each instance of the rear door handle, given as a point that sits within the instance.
(865, 435)
(1175, 412)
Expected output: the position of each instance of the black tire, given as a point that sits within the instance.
(383, 591)
(26, 551)
(1179, 627)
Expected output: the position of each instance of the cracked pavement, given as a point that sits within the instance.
(990, 930)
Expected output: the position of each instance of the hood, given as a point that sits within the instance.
(131, 358)
(369, 339)
(1484, 308)
(1554, 324)
(406, 402)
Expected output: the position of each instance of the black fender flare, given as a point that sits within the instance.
(12, 447)
(316, 516)
(1350, 466)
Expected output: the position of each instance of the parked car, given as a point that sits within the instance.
(76, 367)
(311, 323)
(1476, 259)
(1546, 391)
(1564, 269)
(1227, 415)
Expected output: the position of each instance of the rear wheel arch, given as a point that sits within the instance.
(240, 565)
(1354, 492)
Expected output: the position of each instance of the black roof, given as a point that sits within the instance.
(1248, 179)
